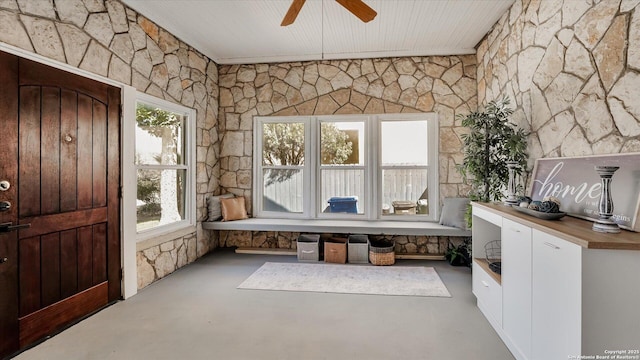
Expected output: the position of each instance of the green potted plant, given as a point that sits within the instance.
(491, 143)
(459, 255)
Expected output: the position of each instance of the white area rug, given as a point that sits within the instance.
(347, 279)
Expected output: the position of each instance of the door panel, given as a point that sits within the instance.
(85, 256)
(69, 150)
(50, 245)
(50, 150)
(85, 129)
(63, 158)
(29, 275)
(99, 233)
(99, 152)
(69, 265)
(29, 151)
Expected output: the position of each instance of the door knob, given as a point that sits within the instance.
(8, 226)
(3, 260)
(5, 206)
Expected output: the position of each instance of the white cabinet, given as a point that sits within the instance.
(516, 286)
(556, 297)
(489, 294)
(486, 283)
(564, 291)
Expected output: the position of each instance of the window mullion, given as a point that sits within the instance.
(258, 187)
(374, 192)
(311, 165)
(434, 178)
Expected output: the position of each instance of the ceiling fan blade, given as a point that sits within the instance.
(292, 13)
(359, 9)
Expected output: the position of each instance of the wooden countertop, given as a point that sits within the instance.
(577, 231)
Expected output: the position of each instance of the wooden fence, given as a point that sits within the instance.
(398, 184)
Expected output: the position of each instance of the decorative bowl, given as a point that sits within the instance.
(540, 214)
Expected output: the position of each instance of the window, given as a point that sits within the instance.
(342, 186)
(283, 166)
(164, 165)
(352, 166)
(405, 166)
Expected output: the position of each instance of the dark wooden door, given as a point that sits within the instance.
(61, 158)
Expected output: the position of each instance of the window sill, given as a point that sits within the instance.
(382, 227)
(164, 237)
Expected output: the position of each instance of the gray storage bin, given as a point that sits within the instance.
(308, 247)
(358, 249)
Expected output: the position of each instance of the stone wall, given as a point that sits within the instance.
(158, 261)
(111, 40)
(445, 85)
(424, 245)
(571, 69)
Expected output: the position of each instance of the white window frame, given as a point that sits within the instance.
(372, 165)
(307, 167)
(189, 114)
(431, 167)
(366, 166)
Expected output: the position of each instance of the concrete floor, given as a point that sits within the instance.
(197, 313)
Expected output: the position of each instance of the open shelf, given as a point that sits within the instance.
(484, 264)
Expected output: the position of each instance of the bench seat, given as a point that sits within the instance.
(417, 228)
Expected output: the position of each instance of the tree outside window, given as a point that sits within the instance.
(161, 170)
(283, 158)
(380, 166)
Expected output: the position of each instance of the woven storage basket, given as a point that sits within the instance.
(381, 252)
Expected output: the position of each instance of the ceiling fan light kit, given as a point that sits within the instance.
(357, 7)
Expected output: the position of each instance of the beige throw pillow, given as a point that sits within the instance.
(233, 209)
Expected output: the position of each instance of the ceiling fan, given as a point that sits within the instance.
(356, 7)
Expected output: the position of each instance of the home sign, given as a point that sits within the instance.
(575, 182)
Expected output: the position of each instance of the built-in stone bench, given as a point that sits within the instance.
(414, 239)
(416, 228)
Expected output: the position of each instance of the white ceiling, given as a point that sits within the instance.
(249, 31)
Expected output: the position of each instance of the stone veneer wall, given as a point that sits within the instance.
(442, 84)
(572, 70)
(160, 260)
(111, 40)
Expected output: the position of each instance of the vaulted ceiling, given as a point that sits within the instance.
(249, 31)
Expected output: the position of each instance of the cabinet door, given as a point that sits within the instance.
(556, 306)
(516, 286)
(489, 295)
